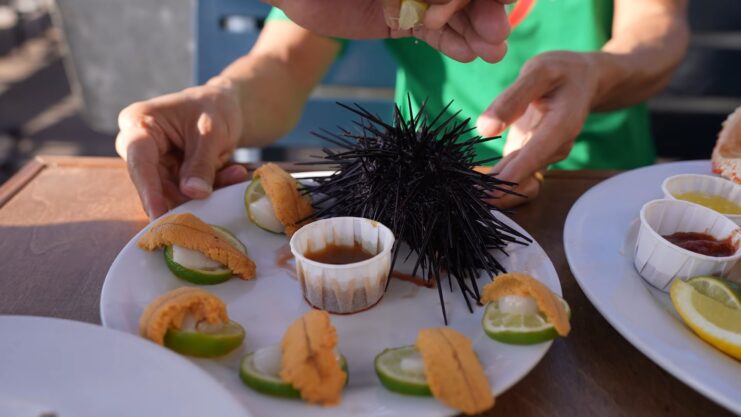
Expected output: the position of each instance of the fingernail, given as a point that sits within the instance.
(488, 126)
(198, 184)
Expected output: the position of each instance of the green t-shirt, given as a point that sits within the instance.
(619, 139)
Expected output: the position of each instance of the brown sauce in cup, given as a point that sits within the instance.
(340, 255)
(702, 243)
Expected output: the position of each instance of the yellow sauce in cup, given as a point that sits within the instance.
(717, 203)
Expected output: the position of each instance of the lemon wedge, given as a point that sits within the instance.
(411, 14)
(708, 306)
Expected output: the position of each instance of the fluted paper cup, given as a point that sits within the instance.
(350, 287)
(704, 184)
(659, 261)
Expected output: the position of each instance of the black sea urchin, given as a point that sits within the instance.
(417, 177)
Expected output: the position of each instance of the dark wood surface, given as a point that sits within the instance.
(64, 220)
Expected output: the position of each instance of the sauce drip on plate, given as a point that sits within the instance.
(702, 243)
(420, 282)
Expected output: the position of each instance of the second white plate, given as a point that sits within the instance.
(68, 368)
(597, 242)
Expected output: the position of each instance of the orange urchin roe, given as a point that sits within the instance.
(453, 370)
(527, 286)
(289, 205)
(169, 310)
(309, 360)
(192, 233)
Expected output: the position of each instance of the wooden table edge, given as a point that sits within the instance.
(25, 175)
(15, 184)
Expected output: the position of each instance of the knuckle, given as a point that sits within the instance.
(136, 114)
(550, 72)
(205, 124)
(534, 64)
(544, 66)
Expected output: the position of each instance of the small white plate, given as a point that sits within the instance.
(598, 237)
(68, 368)
(266, 306)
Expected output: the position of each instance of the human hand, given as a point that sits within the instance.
(546, 108)
(177, 146)
(460, 29)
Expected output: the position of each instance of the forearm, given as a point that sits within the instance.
(270, 100)
(273, 82)
(649, 40)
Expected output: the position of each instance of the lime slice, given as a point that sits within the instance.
(260, 209)
(518, 329)
(203, 276)
(401, 370)
(229, 236)
(260, 371)
(206, 340)
(715, 320)
(411, 14)
(718, 289)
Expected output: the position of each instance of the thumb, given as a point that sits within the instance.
(200, 160)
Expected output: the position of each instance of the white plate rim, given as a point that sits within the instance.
(591, 290)
(132, 343)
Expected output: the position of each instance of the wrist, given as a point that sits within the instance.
(605, 73)
(612, 72)
(231, 91)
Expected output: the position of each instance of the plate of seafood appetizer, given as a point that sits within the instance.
(390, 286)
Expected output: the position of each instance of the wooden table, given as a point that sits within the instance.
(63, 221)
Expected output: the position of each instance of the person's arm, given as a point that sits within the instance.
(178, 146)
(555, 92)
(649, 40)
(275, 79)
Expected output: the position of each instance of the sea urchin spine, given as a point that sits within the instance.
(417, 177)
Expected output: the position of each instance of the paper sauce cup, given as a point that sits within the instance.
(659, 261)
(347, 288)
(704, 184)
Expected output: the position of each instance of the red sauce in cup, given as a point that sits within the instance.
(702, 243)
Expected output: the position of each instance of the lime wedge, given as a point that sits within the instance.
(401, 370)
(260, 371)
(518, 329)
(203, 276)
(206, 340)
(411, 14)
(709, 307)
(260, 209)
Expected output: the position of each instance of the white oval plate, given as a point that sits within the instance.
(266, 306)
(595, 235)
(70, 368)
